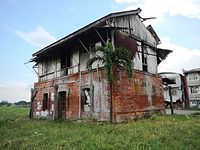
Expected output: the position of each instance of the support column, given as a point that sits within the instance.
(171, 101)
(33, 95)
(31, 109)
(55, 113)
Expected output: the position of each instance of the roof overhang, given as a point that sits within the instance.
(167, 81)
(196, 70)
(99, 22)
(162, 54)
(154, 34)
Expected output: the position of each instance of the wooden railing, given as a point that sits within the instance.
(59, 73)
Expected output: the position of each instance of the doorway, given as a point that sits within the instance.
(62, 105)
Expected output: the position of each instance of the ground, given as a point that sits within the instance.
(183, 111)
(17, 131)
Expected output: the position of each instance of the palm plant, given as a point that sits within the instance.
(113, 58)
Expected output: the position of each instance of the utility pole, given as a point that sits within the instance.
(167, 81)
(171, 101)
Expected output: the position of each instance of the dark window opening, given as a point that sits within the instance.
(65, 62)
(194, 89)
(86, 99)
(45, 101)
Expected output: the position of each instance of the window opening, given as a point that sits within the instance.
(65, 62)
(174, 92)
(86, 99)
(193, 76)
(194, 89)
(144, 58)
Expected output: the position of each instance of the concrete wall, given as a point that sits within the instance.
(194, 98)
(176, 88)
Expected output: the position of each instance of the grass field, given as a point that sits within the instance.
(158, 132)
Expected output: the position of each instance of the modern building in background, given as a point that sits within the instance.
(192, 78)
(177, 89)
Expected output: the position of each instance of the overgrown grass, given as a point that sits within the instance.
(12, 113)
(158, 132)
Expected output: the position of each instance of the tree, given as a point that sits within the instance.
(113, 58)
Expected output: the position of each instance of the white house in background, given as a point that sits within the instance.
(193, 86)
(177, 90)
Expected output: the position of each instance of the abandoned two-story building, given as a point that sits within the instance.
(67, 89)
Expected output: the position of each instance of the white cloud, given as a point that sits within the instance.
(40, 37)
(157, 8)
(125, 1)
(14, 91)
(180, 58)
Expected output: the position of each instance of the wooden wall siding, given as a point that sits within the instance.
(152, 61)
(51, 68)
(139, 30)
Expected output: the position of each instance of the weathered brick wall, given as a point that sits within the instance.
(131, 98)
(136, 97)
(42, 87)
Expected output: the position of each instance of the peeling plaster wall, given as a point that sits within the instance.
(71, 84)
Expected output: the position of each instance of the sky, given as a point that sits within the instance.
(27, 26)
